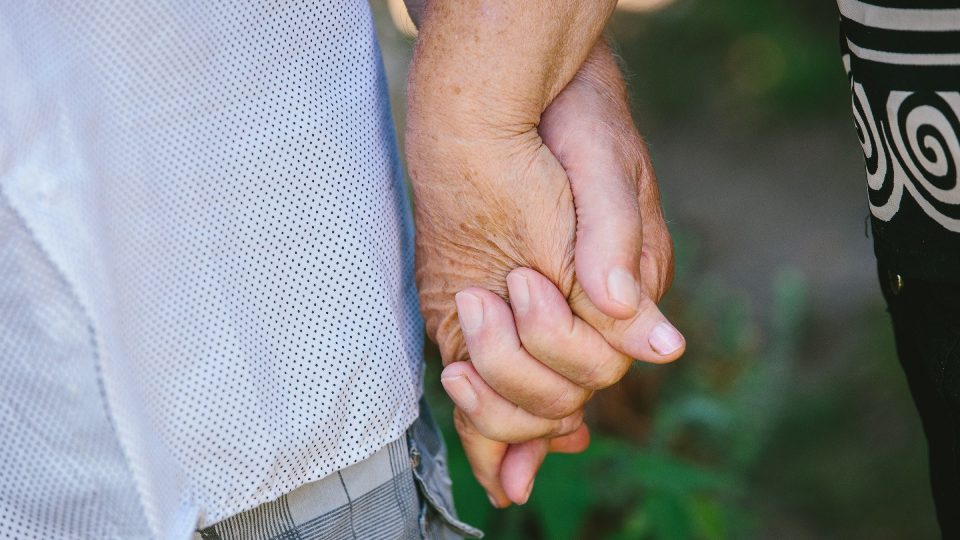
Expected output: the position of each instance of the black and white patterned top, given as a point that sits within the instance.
(206, 289)
(903, 59)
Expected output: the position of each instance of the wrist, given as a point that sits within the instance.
(489, 69)
(443, 101)
(439, 154)
(464, 134)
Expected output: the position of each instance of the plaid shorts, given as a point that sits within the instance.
(402, 491)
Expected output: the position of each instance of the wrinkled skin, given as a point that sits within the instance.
(509, 205)
(488, 205)
(563, 198)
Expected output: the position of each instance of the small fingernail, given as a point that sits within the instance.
(526, 495)
(623, 288)
(493, 501)
(665, 339)
(460, 391)
(470, 311)
(519, 292)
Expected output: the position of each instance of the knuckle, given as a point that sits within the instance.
(604, 375)
(479, 422)
(549, 343)
(566, 402)
(489, 430)
(648, 311)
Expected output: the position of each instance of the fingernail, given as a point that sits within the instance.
(460, 391)
(493, 501)
(526, 496)
(623, 288)
(665, 339)
(519, 292)
(470, 311)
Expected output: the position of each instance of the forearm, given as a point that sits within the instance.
(488, 68)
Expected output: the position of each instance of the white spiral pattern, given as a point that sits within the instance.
(926, 143)
(876, 154)
(945, 146)
(918, 152)
(871, 139)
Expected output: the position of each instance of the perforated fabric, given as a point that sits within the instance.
(218, 187)
(62, 474)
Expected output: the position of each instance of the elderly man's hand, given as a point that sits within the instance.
(490, 197)
(590, 130)
(583, 212)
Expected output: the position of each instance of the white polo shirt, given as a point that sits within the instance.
(207, 293)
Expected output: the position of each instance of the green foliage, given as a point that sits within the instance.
(745, 58)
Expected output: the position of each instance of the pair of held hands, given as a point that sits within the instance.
(562, 219)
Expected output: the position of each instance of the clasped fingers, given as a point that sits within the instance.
(496, 418)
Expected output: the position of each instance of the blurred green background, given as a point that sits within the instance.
(788, 417)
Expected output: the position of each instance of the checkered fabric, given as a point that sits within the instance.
(402, 491)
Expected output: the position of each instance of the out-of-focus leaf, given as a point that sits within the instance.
(669, 519)
(666, 474)
(562, 496)
(709, 519)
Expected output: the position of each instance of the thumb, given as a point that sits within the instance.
(611, 177)
(587, 128)
(609, 229)
(646, 334)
